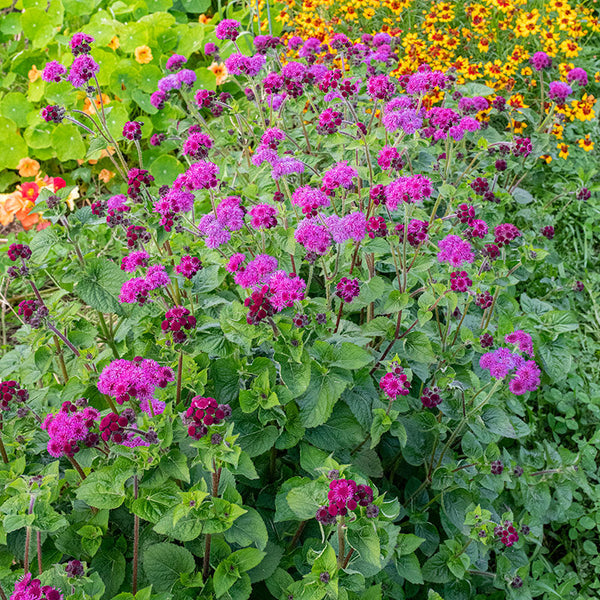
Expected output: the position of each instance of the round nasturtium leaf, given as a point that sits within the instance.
(15, 106)
(12, 146)
(165, 168)
(68, 143)
(39, 135)
(37, 27)
(125, 79)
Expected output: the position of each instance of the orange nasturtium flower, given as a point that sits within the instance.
(90, 108)
(28, 167)
(143, 55)
(220, 72)
(34, 74)
(105, 175)
(203, 19)
(114, 43)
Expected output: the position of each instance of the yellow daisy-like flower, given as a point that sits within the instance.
(143, 55)
(546, 158)
(563, 150)
(586, 143)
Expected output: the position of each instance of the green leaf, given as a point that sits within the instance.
(37, 27)
(363, 537)
(164, 563)
(196, 6)
(349, 356)
(408, 543)
(101, 490)
(248, 529)
(175, 465)
(16, 107)
(408, 567)
(100, 285)
(380, 425)
(12, 146)
(68, 143)
(109, 563)
(165, 169)
(304, 500)
(324, 390)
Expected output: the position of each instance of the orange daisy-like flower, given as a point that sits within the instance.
(34, 74)
(546, 158)
(28, 167)
(220, 72)
(143, 55)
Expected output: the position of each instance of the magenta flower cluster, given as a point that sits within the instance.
(70, 428)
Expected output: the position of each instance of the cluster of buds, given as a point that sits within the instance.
(430, 397)
(15, 252)
(507, 533)
(136, 178)
(484, 300)
(11, 391)
(132, 130)
(33, 312)
(176, 321)
(136, 235)
(259, 306)
(345, 495)
(202, 413)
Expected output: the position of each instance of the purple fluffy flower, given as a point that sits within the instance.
(313, 236)
(522, 340)
(53, 71)
(540, 60)
(175, 62)
(227, 29)
(80, 44)
(340, 175)
(84, 67)
(455, 251)
(133, 261)
(559, 91)
(578, 75)
(256, 271)
(409, 189)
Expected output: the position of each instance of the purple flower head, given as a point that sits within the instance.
(175, 63)
(188, 266)
(134, 380)
(352, 226)
(455, 251)
(295, 42)
(500, 362)
(272, 138)
(559, 91)
(53, 71)
(381, 87)
(313, 236)
(263, 216)
(540, 60)
(256, 271)
(578, 75)
(230, 213)
(410, 189)
(227, 29)
(340, 175)
(235, 262)
(526, 379)
(239, 64)
(210, 49)
(310, 199)
(157, 99)
(69, 428)
(520, 339)
(286, 166)
(133, 261)
(197, 146)
(80, 44)
(132, 130)
(285, 289)
(84, 67)
(201, 175)
(186, 77)
(347, 289)
(169, 83)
